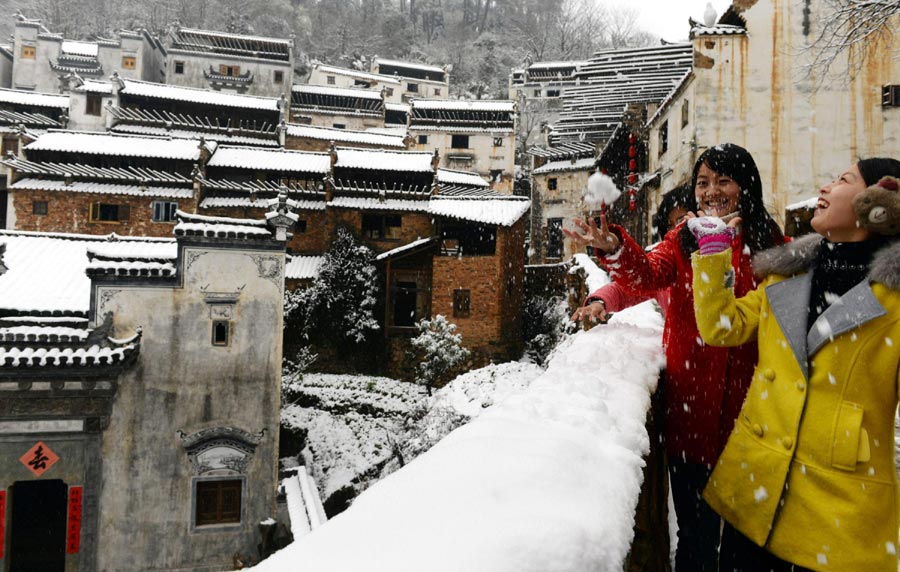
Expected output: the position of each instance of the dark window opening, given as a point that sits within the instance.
(554, 238)
(459, 141)
(164, 211)
(498, 141)
(37, 529)
(10, 145)
(685, 113)
(218, 502)
(890, 96)
(537, 93)
(102, 212)
(496, 176)
(278, 76)
(94, 104)
(330, 80)
(179, 68)
(378, 227)
(552, 93)
(405, 304)
(462, 303)
(389, 91)
(423, 139)
(663, 138)
(552, 184)
(39, 208)
(437, 91)
(300, 226)
(413, 87)
(470, 239)
(340, 125)
(220, 332)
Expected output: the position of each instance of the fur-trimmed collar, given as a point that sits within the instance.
(797, 256)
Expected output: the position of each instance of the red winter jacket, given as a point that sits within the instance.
(705, 386)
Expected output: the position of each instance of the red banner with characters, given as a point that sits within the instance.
(73, 530)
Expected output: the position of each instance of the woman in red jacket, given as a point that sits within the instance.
(705, 385)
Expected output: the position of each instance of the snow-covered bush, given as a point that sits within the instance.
(336, 314)
(545, 323)
(439, 351)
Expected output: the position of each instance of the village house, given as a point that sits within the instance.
(742, 89)
(338, 107)
(444, 240)
(141, 376)
(222, 61)
(477, 136)
(24, 116)
(100, 183)
(559, 176)
(42, 60)
(538, 88)
(418, 80)
(335, 76)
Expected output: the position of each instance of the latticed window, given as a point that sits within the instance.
(462, 303)
(28, 52)
(164, 211)
(94, 104)
(218, 502)
(129, 62)
(554, 238)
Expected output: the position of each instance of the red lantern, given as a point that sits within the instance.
(632, 165)
(632, 178)
(631, 139)
(632, 152)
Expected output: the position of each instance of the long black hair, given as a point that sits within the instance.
(681, 197)
(759, 229)
(873, 169)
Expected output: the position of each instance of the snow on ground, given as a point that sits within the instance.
(546, 479)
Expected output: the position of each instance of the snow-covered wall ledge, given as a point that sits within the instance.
(546, 480)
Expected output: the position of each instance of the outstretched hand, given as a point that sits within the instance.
(592, 235)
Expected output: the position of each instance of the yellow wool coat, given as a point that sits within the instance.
(808, 471)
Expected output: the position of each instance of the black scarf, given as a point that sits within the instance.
(839, 266)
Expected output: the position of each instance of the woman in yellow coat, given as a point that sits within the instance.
(808, 472)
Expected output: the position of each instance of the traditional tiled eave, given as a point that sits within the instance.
(565, 150)
(370, 188)
(17, 356)
(76, 171)
(308, 190)
(216, 78)
(28, 119)
(208, 42)
(164, 123)
(131, 268)
(501, 211)
(413, 247)
(303, 267)
(220, 227)
(76, 69)
(88, 187)
(145, 89)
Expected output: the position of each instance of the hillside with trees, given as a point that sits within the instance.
(481, 39)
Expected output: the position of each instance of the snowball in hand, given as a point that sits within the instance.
(600, 191)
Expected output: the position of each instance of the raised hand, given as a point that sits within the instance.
(713, 235)
(594, 312)
(592, 235)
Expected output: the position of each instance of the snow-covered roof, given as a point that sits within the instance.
(303, 267)
(46, 271)
(247, 201)
(220, 227)
(464, 104)
(86, 49)
(117, 145)
(344, 136)
(588, 164)
(717, 30)
(406, 247)
(230, 45)
(235, 37)
(338, 91)
(102, 188)
(449, 176)
(37, 99)
(200, 96)
(94, 86)
(410, 65)
(547, 478)
(809, 203)
(356, 73)
(564, 150)
(557, 64)
(271, 160)
(401, 107)
(375, 159)
(500, 211)
(378, 204)
(218, 137)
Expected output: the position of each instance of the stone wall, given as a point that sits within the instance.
(71, 212)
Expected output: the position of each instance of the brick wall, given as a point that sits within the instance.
(71, 212)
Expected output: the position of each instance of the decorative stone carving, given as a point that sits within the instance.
(220, 450)
(268, 267)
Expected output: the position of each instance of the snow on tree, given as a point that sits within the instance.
(546, 320)
(440, 351)
(853, 28)
(337, 311)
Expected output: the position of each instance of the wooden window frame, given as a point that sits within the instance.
(93, 105)
(330, 80)
(663, 138)
(123, 213)
(498, 141)
(229, 70)
(39, 208)
(380, 231)
(225, 515)
(552, 184)
(462, 303)
(28, 52)
(175, 68)
(412, 87)
(9, 144)
(129, 62)
(555, 242)
(163, 211)
(890, 96)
